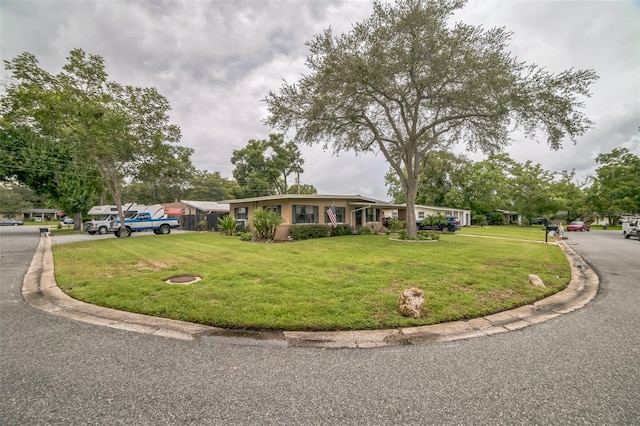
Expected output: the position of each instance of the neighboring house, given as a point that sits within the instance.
(353, 210)
(398, 211)
(204, 207)
(41, 214)
(511, 218)
(174, 209)
(196, 213)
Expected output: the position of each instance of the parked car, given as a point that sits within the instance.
(578, 226)
(67, 220)
(452, 224)
(11, 222)
(541, 221)
(631, 228)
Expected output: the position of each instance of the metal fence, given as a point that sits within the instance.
(201, 222)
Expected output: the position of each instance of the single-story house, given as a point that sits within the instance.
(510, 218)
(42, 214)
(353, 210)
(174, 209)
(398, 211)
(204, 207)
(197, 215)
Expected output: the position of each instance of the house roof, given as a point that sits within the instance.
(435, 207)
(42, 211)
(207, 206)
(354, 198)
(505, 211)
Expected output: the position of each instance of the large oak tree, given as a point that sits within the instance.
(406, 82)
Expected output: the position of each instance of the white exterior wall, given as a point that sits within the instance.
(464, 216)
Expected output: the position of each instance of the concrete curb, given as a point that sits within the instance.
(41, 291)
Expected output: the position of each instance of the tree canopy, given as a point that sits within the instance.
(264, 166)
(407, 83)
(93, 125)
(616, 184)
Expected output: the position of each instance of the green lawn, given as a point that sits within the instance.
(337, 283)
(534, 232)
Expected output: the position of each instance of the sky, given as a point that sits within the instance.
(215, 61)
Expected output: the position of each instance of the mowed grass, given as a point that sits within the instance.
(338, 283)
(533, 232)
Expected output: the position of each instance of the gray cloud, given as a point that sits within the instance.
(216, 60)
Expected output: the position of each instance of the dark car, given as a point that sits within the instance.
(452, 224)
(542, 221)
(10, 222)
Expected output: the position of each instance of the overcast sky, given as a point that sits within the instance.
(216, 60)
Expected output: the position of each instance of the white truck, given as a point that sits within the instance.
(151, 219)
(104, 215)
(631, 228)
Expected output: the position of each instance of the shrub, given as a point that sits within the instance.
(340, 230)
(202, 225)
(395, 225)
(305, 232)
(364, 231)
(265, 224)
(403, 234)
(479, 219)
(496, 218)
(435, 219)
(246, 236)
(227, 225)
(428, 235)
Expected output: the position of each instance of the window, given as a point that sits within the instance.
(273, 209)
(305, 214)
(240, 212)
(340, 213)
(420, 215)
(373, 215)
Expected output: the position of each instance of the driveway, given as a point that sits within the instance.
(579, 368)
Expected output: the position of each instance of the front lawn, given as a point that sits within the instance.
(533, 232)
(337, 283)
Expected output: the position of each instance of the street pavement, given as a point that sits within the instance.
(579, 368)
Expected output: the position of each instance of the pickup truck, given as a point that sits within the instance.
(144, 221)
(104, 215)
(99, 224)
(631, 228)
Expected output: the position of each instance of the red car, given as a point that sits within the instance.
(578, 226)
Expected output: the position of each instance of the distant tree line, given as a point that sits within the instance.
(500, 183)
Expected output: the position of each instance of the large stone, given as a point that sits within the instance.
(536, 280)
(410, 302)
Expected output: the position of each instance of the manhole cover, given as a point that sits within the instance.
(185, 279)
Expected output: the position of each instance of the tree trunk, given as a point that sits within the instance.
(410, 193)
(77, 221)
(117, 198)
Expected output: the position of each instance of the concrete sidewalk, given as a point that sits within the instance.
(41, 291)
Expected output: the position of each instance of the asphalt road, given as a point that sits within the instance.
(579, 368)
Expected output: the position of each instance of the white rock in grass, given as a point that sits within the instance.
(410, 303)
(536, 280)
